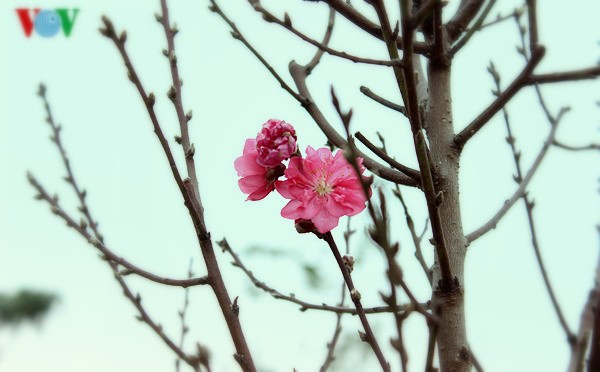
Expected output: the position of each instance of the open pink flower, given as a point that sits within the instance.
(321, 188)
(257, 181)
(275, 143)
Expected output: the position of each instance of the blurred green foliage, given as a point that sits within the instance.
(25, 305)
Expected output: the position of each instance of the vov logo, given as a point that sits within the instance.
(47, 22)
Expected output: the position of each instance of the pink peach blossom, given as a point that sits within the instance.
(321, 188)
(257, 181)
(275, 143)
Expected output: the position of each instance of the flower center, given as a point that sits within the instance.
(323, 188)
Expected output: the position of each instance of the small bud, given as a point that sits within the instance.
(172, 93)
(165, 53)
(348, 262)
(190, 152)
(123, 37)
(287, 20)
(174, 29)
(355, 295)
(151, 99)
(158, 17)
(172, 58)
(188, 116)
(104, 31)
(178, 139)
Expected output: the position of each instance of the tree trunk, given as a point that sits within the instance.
(451, 338)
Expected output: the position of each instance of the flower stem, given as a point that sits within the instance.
(355, 296)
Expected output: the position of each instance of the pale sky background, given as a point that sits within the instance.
(116, 157)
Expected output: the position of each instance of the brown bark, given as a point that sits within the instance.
(451, 336)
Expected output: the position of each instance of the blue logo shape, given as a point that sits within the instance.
(47, 23)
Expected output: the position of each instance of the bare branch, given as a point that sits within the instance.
(394, 106)
(466, 12)
(364, 23)
(592, 146)
(369, 337)
(414, 174)
(237, 262)
(323, 46)
(471, 31)
(491, 224)
(96, 237)
(565, 76)
(413, 234)
(299, 75)
(236, 34)
(461, 138)
(326, 38)
(587, 323)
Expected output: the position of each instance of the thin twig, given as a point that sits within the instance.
(414, 174)
(369, 337)
(502, 99)
(529, 204)
(471, 31)
(586, 325)
(323, 46)
(236, 34)
(304, 305)
(592, 146)
(95, 238)
(326, 38)
(394, 106)
(491, 224)
(330, 357)
(354, 16)
(464, 15)
(182, 315)
(413, 234)
(406, 82)
(299, 74)
(187, 187)
(564, 76)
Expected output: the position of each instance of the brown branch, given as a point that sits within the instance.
(529, 209)
(564, 76)
(371, 28)
(326, 38)
(477, 26)
(236, 34)
(520, 81)
(96, 237)
(187, 187)
(491, 224)
(304, 305)
(414, 174)
(287, 24)
(466, 12)
(369, 337)
(532, 21)
(330, 357)
(299, 75)
(592, 146)
(415, 238)
(405, 80)
(394, 106)
(424, 12)
(588, 321)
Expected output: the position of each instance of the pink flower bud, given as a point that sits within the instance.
(275, 143)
